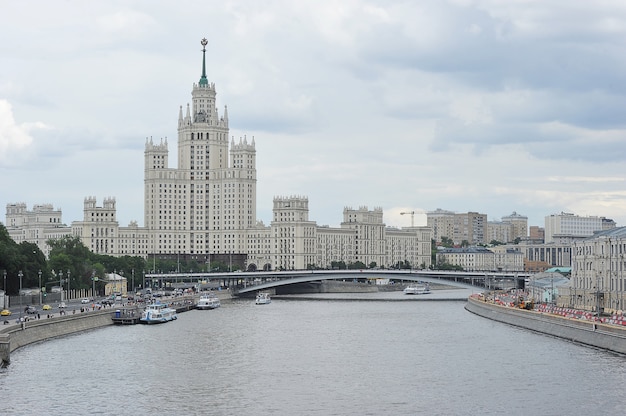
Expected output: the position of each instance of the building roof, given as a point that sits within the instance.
(617, 232)
(459, 250)
(561, 270)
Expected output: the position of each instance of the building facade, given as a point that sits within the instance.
(481, 259)
(470, 227)
(206, 206)
(36, 226)
(571, 225)
(598, 280)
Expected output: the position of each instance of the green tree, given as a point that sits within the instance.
(447, 242)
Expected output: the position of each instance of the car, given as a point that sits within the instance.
(30, 310)
(5, 312)
(46, 307)
(62, 305)
(84, 300)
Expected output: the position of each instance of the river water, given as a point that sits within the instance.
(323, 356)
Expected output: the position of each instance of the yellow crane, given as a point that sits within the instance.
(412, 214)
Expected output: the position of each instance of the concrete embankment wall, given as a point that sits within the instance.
(346, 287)
(16, 336)
(598, 335)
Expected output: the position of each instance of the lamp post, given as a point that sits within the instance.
(68, 284)
(61, 283)
(93, 284)
(40, 300)
(20, 275)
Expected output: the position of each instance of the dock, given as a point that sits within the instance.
(130, 315)
(126, 315)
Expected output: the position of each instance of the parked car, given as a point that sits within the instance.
(46, 307)
(5, 312)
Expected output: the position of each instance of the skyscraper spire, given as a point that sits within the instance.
(203, 80)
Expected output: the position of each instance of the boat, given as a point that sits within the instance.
(416, 290)
(263, 298)
(157, 313)
(208, 301)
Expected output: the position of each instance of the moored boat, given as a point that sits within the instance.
(263, 298)
(157, 313)
(208, 301)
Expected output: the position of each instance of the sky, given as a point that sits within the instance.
(485, 106)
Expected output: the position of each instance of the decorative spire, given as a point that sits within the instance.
(203, 80)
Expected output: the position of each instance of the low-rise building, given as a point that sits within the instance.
(482, 259)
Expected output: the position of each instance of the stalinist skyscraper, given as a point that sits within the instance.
(204, 209)
(205, 205)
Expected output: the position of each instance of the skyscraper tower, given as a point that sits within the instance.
(207, 204)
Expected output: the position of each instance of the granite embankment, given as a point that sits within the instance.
(14, 335)
(595, 334)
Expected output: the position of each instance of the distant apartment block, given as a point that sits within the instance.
(536, 233)
(511, 227)
(573, 226)
(470, 227)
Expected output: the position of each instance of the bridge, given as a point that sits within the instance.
(242, 283)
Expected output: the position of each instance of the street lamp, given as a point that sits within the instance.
(93, 284)
(40, 300)
(68, 284)
(61, 283)
(20, 275)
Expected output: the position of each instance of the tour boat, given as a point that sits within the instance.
(263, 298)
(416, 290)
(208, 301)
(157, 313)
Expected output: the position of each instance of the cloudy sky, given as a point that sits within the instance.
(487, 106)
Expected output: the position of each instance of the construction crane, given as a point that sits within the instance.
(412, 213)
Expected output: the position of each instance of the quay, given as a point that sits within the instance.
(16, 335)
(591, 333)
(130, 315)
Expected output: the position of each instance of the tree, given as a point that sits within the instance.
(357, 265)
(447, 242)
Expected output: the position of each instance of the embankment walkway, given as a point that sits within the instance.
(596, 334)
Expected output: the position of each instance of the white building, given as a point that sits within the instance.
(38, 226)
(206, 206)
(573, 226)
(481, 259)
(598, 280)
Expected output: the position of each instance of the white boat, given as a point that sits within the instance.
(416, 290)
(157, 313)
(263, 298)
(208, 301)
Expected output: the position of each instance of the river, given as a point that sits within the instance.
(324, 356)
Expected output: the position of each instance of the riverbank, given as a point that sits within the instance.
(16, 335)
(594, 334)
